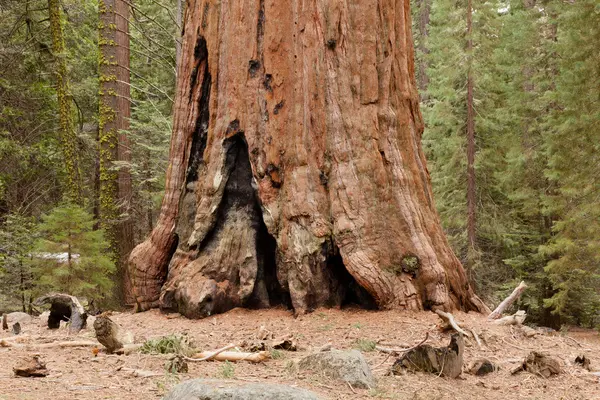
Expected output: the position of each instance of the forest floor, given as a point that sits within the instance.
(76, 373)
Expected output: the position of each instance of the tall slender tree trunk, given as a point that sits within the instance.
(179, 17)
(423, 24)
(68, 137)
(471, 188)
(115, 110)
(296, 172)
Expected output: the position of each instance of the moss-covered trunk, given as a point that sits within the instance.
(68, 138)
(296, 171)
(114, 113)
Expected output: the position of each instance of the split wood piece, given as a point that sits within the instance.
(110, 334)
(7, 343)
(539, 364)
(4, 322)
(443, 361)
(449, 318)
(516, 319)
(231, 356)
(508, 301)
(64, 307)
(397, 351)
(33, 367)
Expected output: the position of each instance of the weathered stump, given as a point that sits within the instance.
(64, 307)
(444, 361)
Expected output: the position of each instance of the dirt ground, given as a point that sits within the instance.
(76, 373)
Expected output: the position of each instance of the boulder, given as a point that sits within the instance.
(43, 319)
(20, 317)
(348, 366)
(202, 389)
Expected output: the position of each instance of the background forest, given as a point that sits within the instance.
(510, 92)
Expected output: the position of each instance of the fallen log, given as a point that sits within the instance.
(443, 361)
(230, 356)
(64, 307)
(449, 318)
(508, 301)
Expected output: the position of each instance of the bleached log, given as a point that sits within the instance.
(231, 356)
(497, 313)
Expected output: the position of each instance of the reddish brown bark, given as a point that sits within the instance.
(296, 171)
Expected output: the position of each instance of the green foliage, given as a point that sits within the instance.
(16, 278)
(537, 161)
(366, 345)
(172, 344)
(70, 255)
(227, 370)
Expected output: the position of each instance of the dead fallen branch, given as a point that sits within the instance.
(65, 344)
(231, 356)
(213, 354)
(516, 319)
(389, 350)
(508, 301)
(449, 318)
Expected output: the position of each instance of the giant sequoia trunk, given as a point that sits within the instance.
(296, 172)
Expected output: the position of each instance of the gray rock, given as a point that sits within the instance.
(43, 319)
(202, 389)
(18, 316)
(349, 366)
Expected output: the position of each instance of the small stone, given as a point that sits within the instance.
(481, 366)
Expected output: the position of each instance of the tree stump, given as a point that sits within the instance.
(64, 307)
(444, 361)
(109, 334)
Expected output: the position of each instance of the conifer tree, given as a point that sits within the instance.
(71, 256)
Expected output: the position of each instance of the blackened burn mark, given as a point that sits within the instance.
(345, 289)
(253, 67)
(267, 82)
(331, 43)
(233, 128)
(275, 176)
(200, 56)
(278, 107)
(201, 129)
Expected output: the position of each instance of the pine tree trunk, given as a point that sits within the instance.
(115, 110)
(296, 172)
(68, 137)
(423, 24)
(471, 188)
